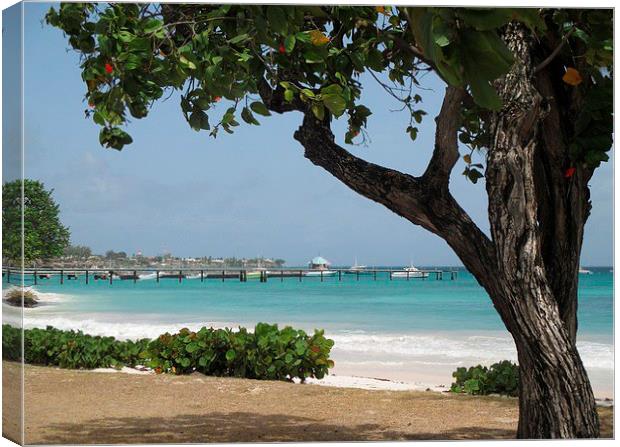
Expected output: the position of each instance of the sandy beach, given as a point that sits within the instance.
(66, 406)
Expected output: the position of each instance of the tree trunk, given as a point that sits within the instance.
(556, 399)
(529, 268)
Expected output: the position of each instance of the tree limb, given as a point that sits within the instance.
(446, 153)
(416, 199)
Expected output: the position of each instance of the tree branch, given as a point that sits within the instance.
(274, 98)
(446, 153)
(416, 199)
(424, 201)
(555, 52)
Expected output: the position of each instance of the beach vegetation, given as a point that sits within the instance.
(500, 378)
(18, 296)
(268, 353)
(44, 236)
(70, 349)
(527, 111)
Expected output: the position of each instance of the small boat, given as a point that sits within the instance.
(583, 271)
(357, 269)
(409, 272)
(320, 273)
(147, 275)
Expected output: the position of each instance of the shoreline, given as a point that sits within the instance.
(86, 407)
(384, 361)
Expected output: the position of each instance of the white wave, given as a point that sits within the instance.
(377, 348)
(455, 348)
(118, 330)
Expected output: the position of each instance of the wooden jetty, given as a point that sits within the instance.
(45, 275)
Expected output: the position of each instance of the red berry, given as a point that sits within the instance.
(91, 105)
(282, 50)
(217, 99)
(109, 68)
(569, 172)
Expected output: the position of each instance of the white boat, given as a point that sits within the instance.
(147, 276)
(357, 269)
(409, 272)
(323, 273)
(583, 271)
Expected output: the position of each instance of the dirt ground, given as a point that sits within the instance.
(68, 407)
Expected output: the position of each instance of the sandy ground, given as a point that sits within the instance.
(84, 407)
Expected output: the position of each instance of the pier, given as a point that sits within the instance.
(46, 275)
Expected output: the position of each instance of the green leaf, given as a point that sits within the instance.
(277, 19)
(318, 110)
(152, 25)
(199, 120)
(230, 355)
(239, 38)
(186, 62)
(484, 94)
(289, 95)
(247, 116)
(260, 108)
(289, 43)
(335, 104)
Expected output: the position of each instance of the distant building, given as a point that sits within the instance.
(319, 263)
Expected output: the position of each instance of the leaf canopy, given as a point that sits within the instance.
(315, 55)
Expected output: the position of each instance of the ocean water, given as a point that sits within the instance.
(415, 331)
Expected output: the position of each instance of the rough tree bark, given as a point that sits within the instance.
(556, 398)
(529, 268)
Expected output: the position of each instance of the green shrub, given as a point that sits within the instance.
(11, 343)
(268, 353)
(70, 349)
(500, 378)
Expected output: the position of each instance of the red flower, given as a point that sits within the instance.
(282, 49)
(217, 99)
(109, 68)
(569, 172)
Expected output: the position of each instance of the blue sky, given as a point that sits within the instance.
(248, 194)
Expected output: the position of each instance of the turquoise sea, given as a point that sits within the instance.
(414, 331)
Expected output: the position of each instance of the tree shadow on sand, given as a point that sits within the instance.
(239, 427)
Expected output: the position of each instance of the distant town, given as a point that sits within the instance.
(78, 256)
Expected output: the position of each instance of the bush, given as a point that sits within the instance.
(70, 349)
(268, 353)
(14, 297)
(11, 343)
(500, 378)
